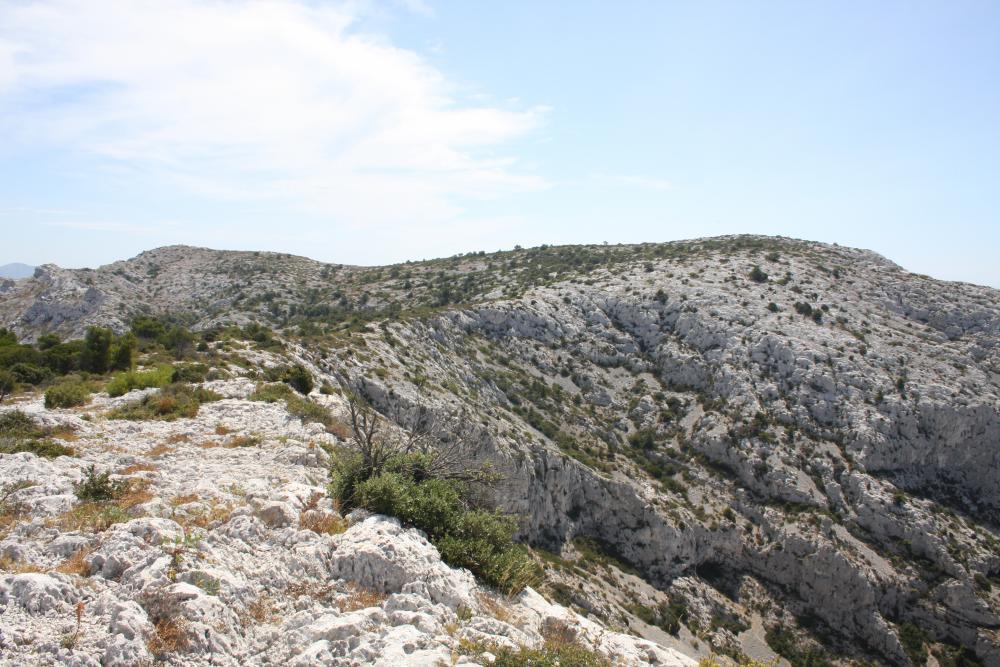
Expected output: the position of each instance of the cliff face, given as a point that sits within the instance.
(810, 448)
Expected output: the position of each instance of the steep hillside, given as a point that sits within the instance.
(767, 441)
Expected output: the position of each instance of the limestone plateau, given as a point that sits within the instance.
(736, 446)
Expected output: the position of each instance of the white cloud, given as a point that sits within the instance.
(264, 101)
(644, 182)
(110, 226)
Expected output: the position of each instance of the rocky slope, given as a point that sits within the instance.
(245, 562)
(804, 455)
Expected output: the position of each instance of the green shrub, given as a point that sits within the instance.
(47, 341)
(30, 373)
(190, 373)
(67, 394)
(122, 383)
(98, 487)
(757, 275)
(301, 407)
(20, 433)
(477, 539)
(299, 379)
(172, 402)
(914, 641)
(7, 337)
(7, 384)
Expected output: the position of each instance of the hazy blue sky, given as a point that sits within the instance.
(368, 132)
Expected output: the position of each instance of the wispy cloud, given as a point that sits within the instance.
(644, 182)
(108, 226)
(262, 101)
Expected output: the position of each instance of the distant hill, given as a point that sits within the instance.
(16, 271)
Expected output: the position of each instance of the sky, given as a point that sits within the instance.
(366, 132)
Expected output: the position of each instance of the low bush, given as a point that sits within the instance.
(122, 383)
(757, 275)
(20, 433)
(560, 648)
(30, 373)
(8, 382)
(299, 379)
(172, 402)
(67, 394)
(301, 407)
(190, 373)
(466, 536)
(98, 487)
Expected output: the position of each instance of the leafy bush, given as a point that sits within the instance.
(803, 308)
(301, 407)
(122, 383)
(30, 373)
(172, 402)
(7, 384)
(757, 275)
(914, 641)
(299, 379)
(67, 394)
(477, 539)
(47, 341)
(190, 373)
(7, 337)
(98, 487)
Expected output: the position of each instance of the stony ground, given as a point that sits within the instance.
(226, 551)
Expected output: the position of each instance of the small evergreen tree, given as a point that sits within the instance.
(123, 358)
(7, 384)
(7, 337)
(48, 341)
(96, 354)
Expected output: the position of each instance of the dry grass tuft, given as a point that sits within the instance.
(222, 429)
(170, 636)
(318, 521)
(161, 449)
(92, 517)
(495, 608)
(136, 493)
(184, 499)
(243, 441)
(217, 513)
(339, 429)
(64, 432)
(138, 467)
(76, 564)
(360, 598)
(261, 610)
(322, 593)
(8, 564)
(322, 522)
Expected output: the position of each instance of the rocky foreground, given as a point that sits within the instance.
(226, 551)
